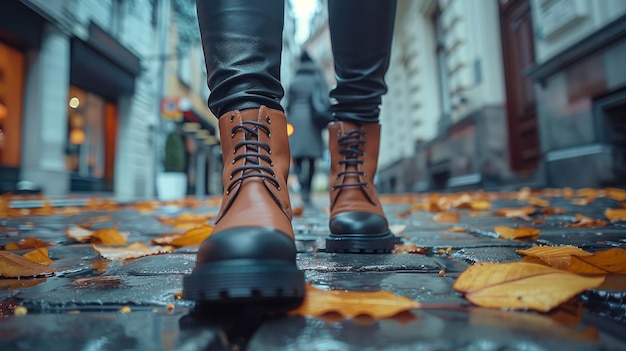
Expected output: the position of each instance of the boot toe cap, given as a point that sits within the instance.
(247, 243)
(358, 223)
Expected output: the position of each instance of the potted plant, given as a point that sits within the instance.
(172, 182)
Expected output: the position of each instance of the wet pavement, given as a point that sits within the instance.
(81, 306)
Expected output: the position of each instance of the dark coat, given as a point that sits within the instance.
(306, 141)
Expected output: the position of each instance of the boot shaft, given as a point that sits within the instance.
(354, 158)
(255, 152)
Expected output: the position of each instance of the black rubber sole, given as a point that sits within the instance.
(272, 285)
(360, 243)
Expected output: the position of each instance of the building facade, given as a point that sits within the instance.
(502, 93)
(79, 96)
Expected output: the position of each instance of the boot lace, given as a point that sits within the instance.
(350, 146)
(252, 166)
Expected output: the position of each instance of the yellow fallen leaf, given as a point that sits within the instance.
(582, 201)
(379, 304)
(514, 233)
(134, 250)
(521, 285)
(553, 211)
(14, 266)
(615, 215)
(187, 220)
(589, 193)
(447, 217)
(193, 237)
(611, 261)
(568, 193)
(457, 229)
(40, 256)
(109, 236)
(554, 251)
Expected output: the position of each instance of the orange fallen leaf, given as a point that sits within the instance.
(615, 215)
(69, 210)
(581, 221)
(109, 236)
(40, 256)
(297, 211)
(589, 193)
(480, 205)
(404, 213)
(15, 284)
(134, 250)
(187, 220)
(536, 201)
(409, 249)
(600, 263)
(447, 217)
(46, 209)
(514, 233)
(521, 285)
(516, 212)
(27, 243)
(379, 304)
(582, 201)
(193, 237)
(457, 229)
(568, 193)
(553, 211)
(616, 194)
(15, 266)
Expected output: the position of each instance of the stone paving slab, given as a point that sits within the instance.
(78, 308)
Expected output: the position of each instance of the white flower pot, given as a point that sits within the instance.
(171, 186)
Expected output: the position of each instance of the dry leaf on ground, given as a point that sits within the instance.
(193, 237)
(457, 229)
(582, 201)
(187, 220)
(514, 233)
(409, 249)
(447, 217)
(40, 256)
(536, 201)
(79, 234)
(615, 215)
(134, 250)
(165, 239)
(109, 236)
(27, 243)
(554, 251)
(379, 304)
(516, 212)
(581, 221)
(521, 285)
(297, 211)
(616, 194)
(397, 229)
(553, 211)
(15, 266)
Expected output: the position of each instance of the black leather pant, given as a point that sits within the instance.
(242, 42)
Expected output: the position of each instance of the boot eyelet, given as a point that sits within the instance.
(272, 164)
(232, 116)
(366, 185)
(278, 187)
(230, 177)
(232, 135)
(228, 192)
(270, 152)
(269, 135)
(268, 119)
(233, 161)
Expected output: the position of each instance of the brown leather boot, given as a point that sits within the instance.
(251, 255)
(357, 221)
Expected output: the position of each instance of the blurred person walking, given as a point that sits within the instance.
(250, 258)
(308, 111)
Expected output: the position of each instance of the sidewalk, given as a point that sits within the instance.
(79, 307)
